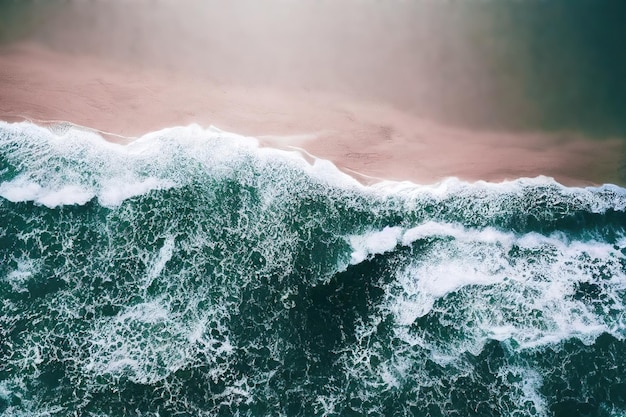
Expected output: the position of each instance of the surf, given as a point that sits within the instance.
(194, 271)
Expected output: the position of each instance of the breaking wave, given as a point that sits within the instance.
(193, 272)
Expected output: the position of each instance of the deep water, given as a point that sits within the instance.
(194, 273)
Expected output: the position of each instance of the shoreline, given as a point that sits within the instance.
(363, 139)
(362, 178)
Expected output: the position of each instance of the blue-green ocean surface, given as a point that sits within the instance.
(193, 273)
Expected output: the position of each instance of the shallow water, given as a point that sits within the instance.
(192, 272)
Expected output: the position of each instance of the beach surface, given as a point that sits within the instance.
(372, 140)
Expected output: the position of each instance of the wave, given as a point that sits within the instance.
(76, 165)
(194, 272)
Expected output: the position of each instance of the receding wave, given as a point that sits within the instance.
(193, 272)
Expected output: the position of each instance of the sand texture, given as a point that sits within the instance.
(374, 139)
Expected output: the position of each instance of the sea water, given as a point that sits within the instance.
(194, 273)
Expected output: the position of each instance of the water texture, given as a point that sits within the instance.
(192, 272)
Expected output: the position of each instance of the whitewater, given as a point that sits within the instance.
(195, 272)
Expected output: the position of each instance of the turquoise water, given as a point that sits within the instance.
(194, 273)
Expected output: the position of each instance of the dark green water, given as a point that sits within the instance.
(192, 273)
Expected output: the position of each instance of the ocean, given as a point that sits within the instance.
(194, 273)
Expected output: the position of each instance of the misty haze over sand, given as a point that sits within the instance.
(417, 91)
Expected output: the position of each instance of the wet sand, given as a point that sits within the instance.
(374, 139)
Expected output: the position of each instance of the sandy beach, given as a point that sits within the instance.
(374, 139)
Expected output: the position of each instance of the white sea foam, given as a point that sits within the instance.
(16, 191)
(483, 284)
(19, 277)
(116, 172)
(491, 199)
(525, 390)
(138, 342)
(114, 193)
(161, 259)
(506, 287)
(434, 229)
(504, 292)
(22, 190)
(72, 165)
(373, 243)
